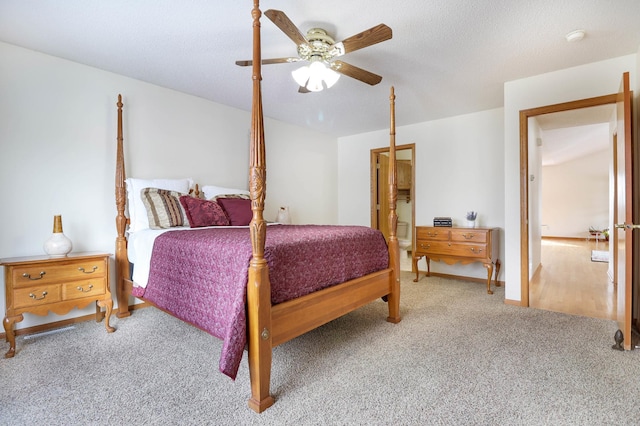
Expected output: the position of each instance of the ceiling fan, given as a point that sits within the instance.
(320, 50)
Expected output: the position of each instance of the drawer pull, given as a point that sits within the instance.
(34, 297)
(427, 246)
(476, 250)
(25, 275)
(432, 234)
(79, 288)
(468, 236)
(81, 269)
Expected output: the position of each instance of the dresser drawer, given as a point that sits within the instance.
(36, 296)
(470, 236)
(45, 273)
(85, 288)
(433, 234)
(440, 248)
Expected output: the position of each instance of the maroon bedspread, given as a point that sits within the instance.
(200, 276)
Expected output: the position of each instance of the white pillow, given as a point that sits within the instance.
(211, 191)
(138, 219)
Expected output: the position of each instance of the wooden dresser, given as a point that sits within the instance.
(453, 245)
(39, 284)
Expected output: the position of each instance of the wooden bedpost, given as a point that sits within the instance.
(258, 286)
(122, 262)
(394, 249)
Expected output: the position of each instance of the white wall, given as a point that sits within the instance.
(458, 167)
(57, 153)
(586, 81)
(301, 173)
(575, 196)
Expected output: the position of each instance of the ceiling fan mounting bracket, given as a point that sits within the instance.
(319, 46)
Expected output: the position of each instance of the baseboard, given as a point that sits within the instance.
(63, 323)
(422, 274)
(562, 238)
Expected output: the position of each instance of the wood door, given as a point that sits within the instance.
(624, 214)
(383, 195)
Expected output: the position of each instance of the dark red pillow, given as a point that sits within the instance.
(238, 210)
(203, 212)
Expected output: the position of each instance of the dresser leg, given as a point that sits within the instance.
(489, 267)
(497, 272)
(415, 267)
(8, 324)
(108, 305)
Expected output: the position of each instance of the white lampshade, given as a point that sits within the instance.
(316, 74)
(330, 77)
(301, 75)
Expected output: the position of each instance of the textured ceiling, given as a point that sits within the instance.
(572, 134)
(446, 57)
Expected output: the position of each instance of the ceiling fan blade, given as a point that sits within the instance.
(355, 72)
(366, 38)
(284, 23)
(249, 62)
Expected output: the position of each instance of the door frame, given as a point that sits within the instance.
(373, 179)
(524, 173)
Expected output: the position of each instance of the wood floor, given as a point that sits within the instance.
(568, 281)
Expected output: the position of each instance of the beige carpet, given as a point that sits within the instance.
(459, 357)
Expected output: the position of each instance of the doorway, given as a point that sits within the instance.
(530, 215)
(405, 204)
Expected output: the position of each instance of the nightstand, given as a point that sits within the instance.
(39, 284)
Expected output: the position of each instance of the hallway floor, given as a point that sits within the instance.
(568, 281)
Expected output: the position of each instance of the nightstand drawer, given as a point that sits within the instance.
(86, 288)
(45, 273)
(36, 295)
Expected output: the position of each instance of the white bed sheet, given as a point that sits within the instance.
(140, 247)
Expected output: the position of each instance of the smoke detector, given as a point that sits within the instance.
(575, 35)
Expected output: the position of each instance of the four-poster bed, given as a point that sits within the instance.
(268, 324)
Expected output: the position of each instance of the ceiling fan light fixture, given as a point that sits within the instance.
(314, 75)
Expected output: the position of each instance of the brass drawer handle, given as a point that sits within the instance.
(468, 236)
(473, 249)
(25, 275)
(432, 234)
(33, 296)
(425, 246)
(79, 288)
(81, 269)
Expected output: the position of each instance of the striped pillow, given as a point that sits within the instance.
(163, 208)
